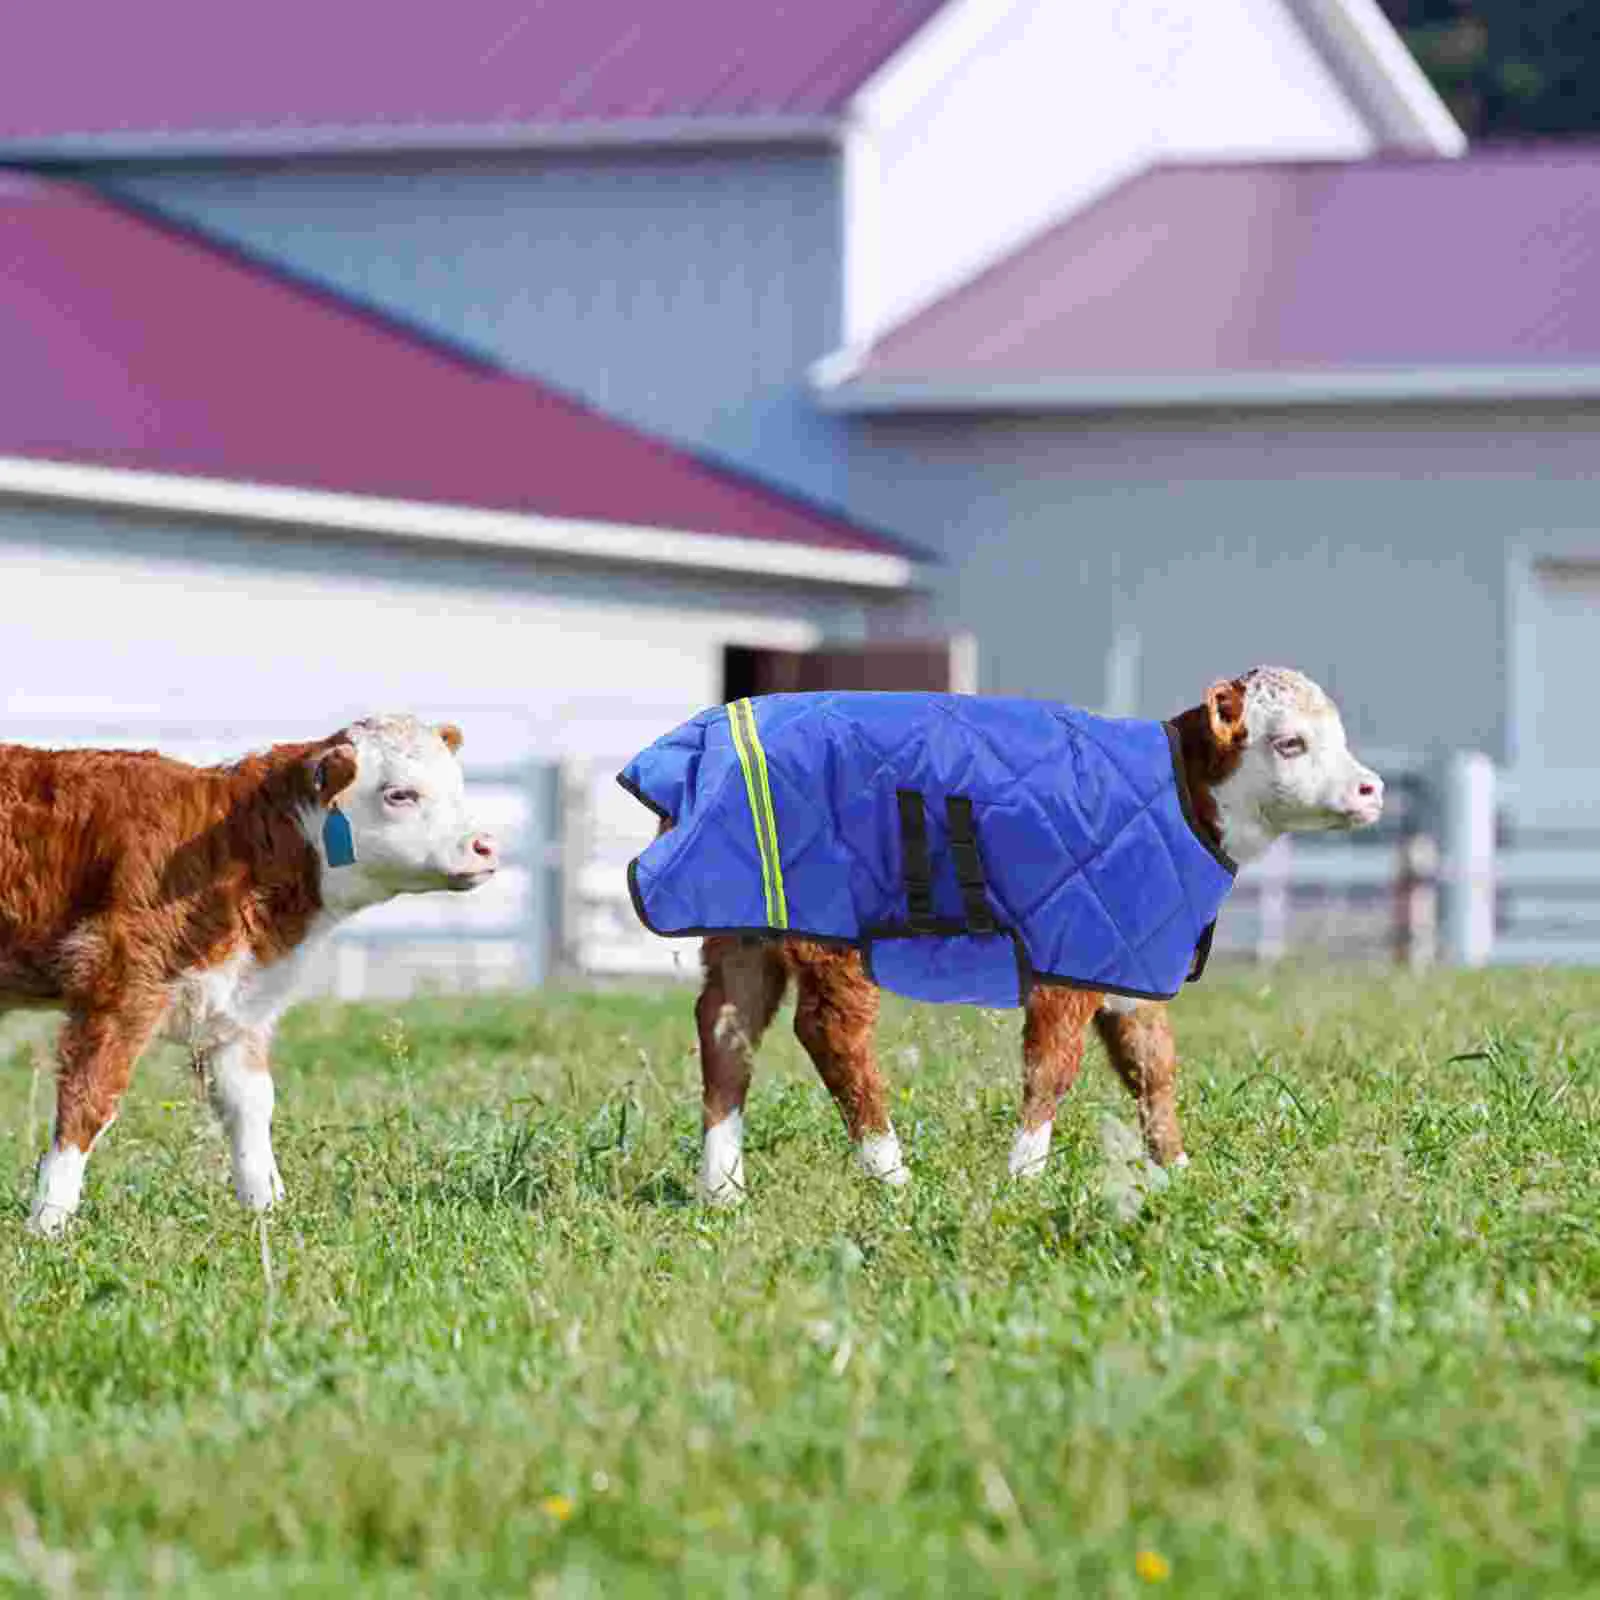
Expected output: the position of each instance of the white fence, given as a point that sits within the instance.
(1369, 896)
(559, 908)
(1474, 865)
(1471, 865)
(1522, 883)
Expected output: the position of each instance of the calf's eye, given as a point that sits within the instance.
(400, 797)
(1290, 747)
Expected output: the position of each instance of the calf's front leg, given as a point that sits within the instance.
(835, 1017)
(1052, 1052)
(97, 1052)
(238, 1073)
(1138, 1039)
(743, 987)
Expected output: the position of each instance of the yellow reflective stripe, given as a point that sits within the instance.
(782, 919)
(747, 767)
(740, 722)
(753, 764)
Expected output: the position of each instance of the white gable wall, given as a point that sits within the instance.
(252, 637)
(1002, 118)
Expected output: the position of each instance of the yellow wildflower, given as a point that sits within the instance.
(1151, 1567)
(557, 1506)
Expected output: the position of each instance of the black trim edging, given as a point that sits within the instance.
(1051, 980)
(1186, 805)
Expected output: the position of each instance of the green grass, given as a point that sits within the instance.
(1352, 1350)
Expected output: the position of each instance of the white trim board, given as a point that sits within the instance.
(1380, 75)
(451, 524)
(837, 389)
(159, 144)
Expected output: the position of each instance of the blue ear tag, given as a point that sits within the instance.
(338, 840)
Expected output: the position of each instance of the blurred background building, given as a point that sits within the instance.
(565, 368)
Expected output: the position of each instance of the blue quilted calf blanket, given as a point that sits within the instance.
(969, 846)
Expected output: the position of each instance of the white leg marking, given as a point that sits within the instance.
(59, 1190)
(1030, 1149)
(880, 1157)
(722, 1161)
(241, 1089)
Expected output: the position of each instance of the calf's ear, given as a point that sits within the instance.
(451, 735)
(333, 771)
(1225, 713)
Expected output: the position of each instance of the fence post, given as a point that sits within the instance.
(577, 851)
(1274, 874)
(350, 969)
(540, 943)
(1468, 816)
(1416, 922)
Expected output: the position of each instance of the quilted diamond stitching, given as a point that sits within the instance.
(1070, 735)
(1183, 887)
(1079, 873)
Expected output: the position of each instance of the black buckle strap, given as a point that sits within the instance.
(914, 862)
(968, 864)
(1202, 952)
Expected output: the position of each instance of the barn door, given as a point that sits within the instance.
(1557, 655)
(940, 665)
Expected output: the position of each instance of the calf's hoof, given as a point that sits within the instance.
(48, 1222)
(1029, 1152)
(721, 1180)
(722, 1189)
(881, 1158)
(259, 1190)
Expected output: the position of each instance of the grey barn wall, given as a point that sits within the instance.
(1370, 548)
(685, 291)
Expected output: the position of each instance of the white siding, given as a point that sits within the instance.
(1000, 119)
(291, 647)
(207, 641)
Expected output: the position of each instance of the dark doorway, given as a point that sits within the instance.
(926, 664)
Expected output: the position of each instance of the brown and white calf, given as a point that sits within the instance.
(1264, 755)
(140, 895)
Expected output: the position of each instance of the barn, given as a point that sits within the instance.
(697, 222)
(570, 376)
(234, 509)
(1341, 413)
(232, 500)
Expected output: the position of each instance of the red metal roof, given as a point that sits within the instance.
(190, 67)
(130, 343)
(1202, 272)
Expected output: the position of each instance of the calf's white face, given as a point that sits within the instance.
(1291, 766)
(399, 786)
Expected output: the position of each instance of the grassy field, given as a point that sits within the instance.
(490, 1346)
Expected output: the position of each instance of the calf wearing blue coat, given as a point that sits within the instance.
(961, 848)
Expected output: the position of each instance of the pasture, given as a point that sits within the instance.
(490, 1347)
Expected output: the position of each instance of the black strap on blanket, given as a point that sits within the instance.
(1202, 952)
(968, 864)
(914, 863)
(917, 868)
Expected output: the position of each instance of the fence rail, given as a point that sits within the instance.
(1470, 865)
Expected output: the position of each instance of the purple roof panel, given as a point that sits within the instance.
(174, 67)
(127, 343)
(1489, 261)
